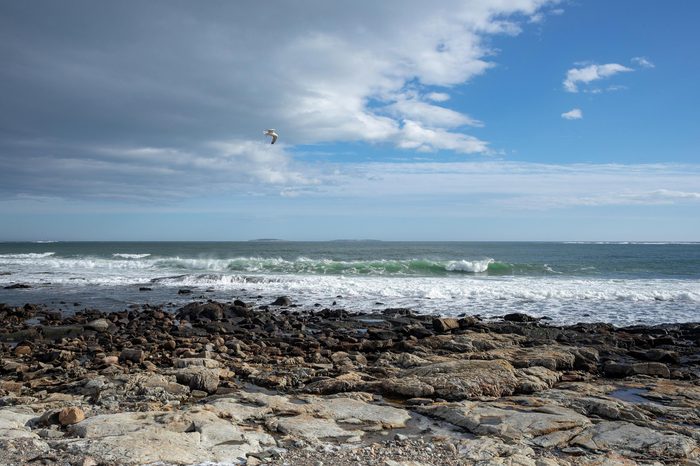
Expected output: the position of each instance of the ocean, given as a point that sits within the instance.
(568, 282)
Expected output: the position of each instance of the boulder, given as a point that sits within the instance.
(459, 379)
(199, 378)
(282, 301)
(445, 324)
(135, 355)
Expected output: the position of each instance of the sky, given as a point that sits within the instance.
(485, 120)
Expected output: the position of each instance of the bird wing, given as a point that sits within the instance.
(274, 138)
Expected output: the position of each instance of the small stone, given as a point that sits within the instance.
(133, 355)
(99, 325)
(23, 350)
(282, 301)
(110, 360)
(72, 415)
(89, 461)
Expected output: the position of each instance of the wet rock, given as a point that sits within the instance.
(282, 301)
(17, 286)
(99, 325)
(61, 331)
(519, 317)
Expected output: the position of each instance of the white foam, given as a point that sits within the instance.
(477, 266)
(129, 256)
(30, 255)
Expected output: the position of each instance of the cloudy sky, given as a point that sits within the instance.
(406, 120)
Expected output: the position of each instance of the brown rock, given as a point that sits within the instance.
(72, 415)
(133, 355)
(110, 360)
(445, 324)
(652, 368)
(23, 350)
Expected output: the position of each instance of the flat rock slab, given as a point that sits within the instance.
(183, 437)
(542, 425)
(315, 429)
(348, 409)
(13, 423)
(636, 441)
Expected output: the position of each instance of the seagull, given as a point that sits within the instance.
(271, 132)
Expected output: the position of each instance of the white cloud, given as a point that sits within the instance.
(573, 114)
(590, 73)
(438, 96)
(206, 74)
(643, 62)
(430, 115)
(517, 185)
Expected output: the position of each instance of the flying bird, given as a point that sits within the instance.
(271, 132)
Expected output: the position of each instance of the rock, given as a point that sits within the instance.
(343, 383)
(192, 437)
(135, 355)
(638, 441)
(490, 450)
(411, 387)
(99, 325)
(313, 429)
(23, 350)
(110, 360)
(545, 426)
(445, 324)
(519, 317)
(344, 410)
(15, 421)
(657, 369)
(199, 378)
(282, 301)
(68, 416)
(616, 369)
(58, 332)
(196, 362)
(459, 379)
(17, 286)
(184, 291)
(49, 418)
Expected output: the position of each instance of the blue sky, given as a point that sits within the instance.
(529, 120)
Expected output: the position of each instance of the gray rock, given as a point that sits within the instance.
(637, 441)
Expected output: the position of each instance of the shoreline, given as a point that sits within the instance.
(242, 384)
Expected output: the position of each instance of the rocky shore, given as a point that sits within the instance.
(235, 383)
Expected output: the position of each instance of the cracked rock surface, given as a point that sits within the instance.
(233, 383)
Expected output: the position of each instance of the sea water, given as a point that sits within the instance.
(620, 283)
